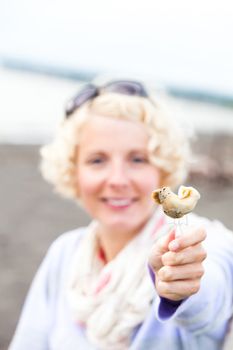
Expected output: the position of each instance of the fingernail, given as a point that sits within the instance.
(174, 245)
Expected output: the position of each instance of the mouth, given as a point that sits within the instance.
(119, 203)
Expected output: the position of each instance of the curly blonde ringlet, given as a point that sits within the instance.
(168, 146)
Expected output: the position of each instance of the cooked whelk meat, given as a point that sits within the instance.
(175, 205)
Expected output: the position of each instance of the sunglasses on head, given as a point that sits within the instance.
(90, 91)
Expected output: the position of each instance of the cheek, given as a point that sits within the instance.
(87, 183)
(149, 181)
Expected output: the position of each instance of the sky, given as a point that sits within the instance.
(180, 43)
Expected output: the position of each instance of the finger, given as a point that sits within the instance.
(181, 272)
(177, 290)
(191, 236)
(158, 249)
(188, 255)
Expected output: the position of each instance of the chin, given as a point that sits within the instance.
(125, 225)
(132, 221)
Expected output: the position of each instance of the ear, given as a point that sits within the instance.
(155, 196)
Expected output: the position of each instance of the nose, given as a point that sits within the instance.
(118, 175)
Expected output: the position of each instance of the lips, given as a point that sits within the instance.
(119, 202)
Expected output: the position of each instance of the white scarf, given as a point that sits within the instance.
(111, 300)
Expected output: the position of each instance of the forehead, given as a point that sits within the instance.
(109, 133)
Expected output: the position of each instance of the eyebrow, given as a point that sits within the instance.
(98, 152)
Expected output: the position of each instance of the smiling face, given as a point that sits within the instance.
(114, 176)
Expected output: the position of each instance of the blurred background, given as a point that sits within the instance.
(182, 49)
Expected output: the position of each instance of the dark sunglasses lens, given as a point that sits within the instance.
(91, 91)
(83, 96)
(127, 88)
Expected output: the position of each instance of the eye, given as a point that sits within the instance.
(139, 159)
(96, 161)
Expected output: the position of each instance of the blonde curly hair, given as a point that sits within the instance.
(168, 147)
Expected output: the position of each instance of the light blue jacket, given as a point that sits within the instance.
(198, 323)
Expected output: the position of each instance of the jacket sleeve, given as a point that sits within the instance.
(209, 310)
(37, 314)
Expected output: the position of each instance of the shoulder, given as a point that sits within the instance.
(53, 269)
(61, 251)
(66, 243)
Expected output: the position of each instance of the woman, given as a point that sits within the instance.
(125, 281)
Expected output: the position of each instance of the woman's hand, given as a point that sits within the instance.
(177, 263)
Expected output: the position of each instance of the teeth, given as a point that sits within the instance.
(119, 202)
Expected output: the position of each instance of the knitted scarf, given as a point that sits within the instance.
(111, 299)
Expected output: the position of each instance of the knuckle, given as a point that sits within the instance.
(168, 273)
(163, 288)
(165, 273)
(160, 274)
(169, 258)
(180, 258)
(203, 254)
(195, 287)
(166, 258)
(201, 270)
(203, 233)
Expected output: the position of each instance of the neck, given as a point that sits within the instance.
(112, 242)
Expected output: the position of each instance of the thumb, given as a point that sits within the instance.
(158, 249)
